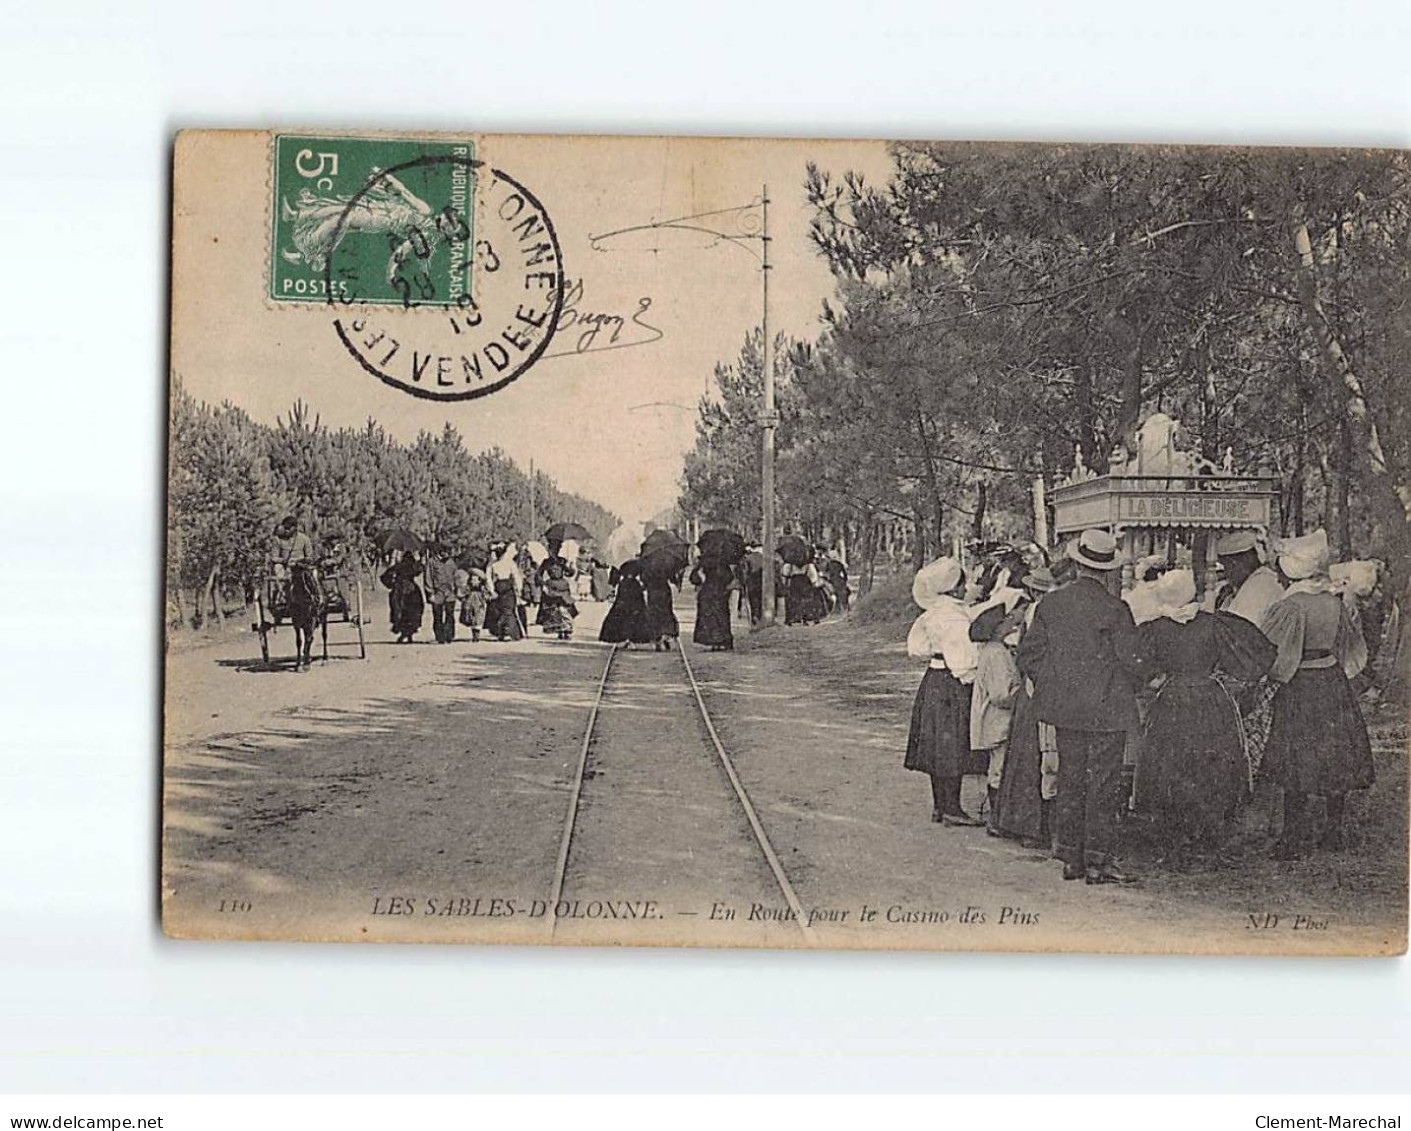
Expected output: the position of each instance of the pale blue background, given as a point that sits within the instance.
(91, 997)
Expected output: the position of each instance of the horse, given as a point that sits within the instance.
(306, 607)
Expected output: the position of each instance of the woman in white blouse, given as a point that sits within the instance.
(939, 740)
(507, 582)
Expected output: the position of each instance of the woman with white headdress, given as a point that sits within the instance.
(1195, 766)
(939, 740)
(507, 581)
(1318, 740)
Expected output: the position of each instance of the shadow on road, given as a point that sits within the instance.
(460, 781)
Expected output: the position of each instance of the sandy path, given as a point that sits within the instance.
(425, 778)
(423, 793)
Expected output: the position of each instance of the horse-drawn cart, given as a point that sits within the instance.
(304, 598)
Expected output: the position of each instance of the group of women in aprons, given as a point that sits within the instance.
(1257, 688)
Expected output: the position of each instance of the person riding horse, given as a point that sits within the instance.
(292, 566)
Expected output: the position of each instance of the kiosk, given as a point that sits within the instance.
(1146, 507)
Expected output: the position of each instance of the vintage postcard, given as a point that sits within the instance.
(783, 543)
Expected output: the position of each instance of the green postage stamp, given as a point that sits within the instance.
(372, 221)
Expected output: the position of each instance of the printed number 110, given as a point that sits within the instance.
(234, 905)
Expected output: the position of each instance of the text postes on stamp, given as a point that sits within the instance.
(444, 276)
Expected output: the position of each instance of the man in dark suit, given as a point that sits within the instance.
(1084, 658)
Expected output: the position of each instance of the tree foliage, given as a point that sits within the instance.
(1000, 307)
(231, 479)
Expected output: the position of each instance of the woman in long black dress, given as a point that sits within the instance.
(405, 604)
(712, 582)
(662, 625)
(1195, 768)
(626, 622)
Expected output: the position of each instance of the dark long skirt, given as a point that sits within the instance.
(661, 619)
(713, 614)
(803, 601)
(1019, 804)
(503, 615)
(939, 741)
(1193, 769)
(556, 614)
(626, 622)
(1318, 740)
(405, 604)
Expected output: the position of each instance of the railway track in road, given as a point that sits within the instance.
(720, 794)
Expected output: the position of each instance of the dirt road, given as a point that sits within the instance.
(423, 793)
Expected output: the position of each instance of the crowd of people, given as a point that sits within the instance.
(499, 591)
(1083, 706)
(811, 588)
(494, 593)
(1085, 709)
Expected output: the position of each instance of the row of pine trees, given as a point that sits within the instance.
(231, 478)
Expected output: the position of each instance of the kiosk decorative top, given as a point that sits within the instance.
(1120, 502)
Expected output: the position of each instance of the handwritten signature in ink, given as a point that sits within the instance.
(590, 331)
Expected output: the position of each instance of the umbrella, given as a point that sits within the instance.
(622, 543)
(665, 562)
(538, 553)
(394, 541)
(563, 531)
(794, 550)
(660, 539)
(722, 545)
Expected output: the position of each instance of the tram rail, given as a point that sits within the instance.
(727, 766)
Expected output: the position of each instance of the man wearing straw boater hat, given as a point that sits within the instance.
(1086, 664)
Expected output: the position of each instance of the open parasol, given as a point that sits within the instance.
(665, 562)
(395, 541)
(722, 546)
(622, 544)
(660, 540)
(564, 531)
(794, 550)
(538, 552)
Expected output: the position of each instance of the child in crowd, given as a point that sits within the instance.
(992, 696)
(556, 602)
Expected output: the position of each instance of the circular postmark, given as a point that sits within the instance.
(446, 277)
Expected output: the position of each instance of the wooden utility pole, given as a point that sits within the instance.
(532, 517)
(770, 420)
(1040, 511)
